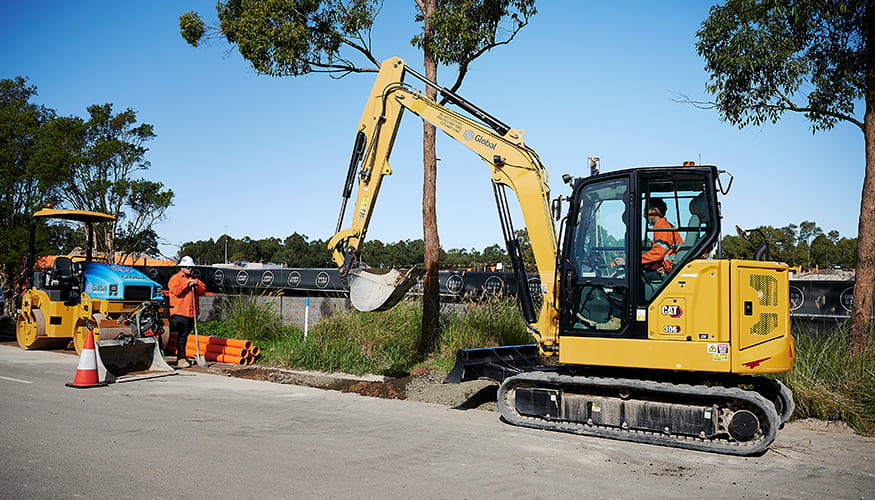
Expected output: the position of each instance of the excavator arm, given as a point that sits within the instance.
(512, 165)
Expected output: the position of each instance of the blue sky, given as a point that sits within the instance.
(258, 156)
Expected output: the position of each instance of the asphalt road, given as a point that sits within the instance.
(198, 435)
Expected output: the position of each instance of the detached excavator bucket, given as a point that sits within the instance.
(380, 289)
(125, 360)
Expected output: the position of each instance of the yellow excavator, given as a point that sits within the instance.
(118, 306)
(669, 351)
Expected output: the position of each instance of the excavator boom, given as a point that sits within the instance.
(512, 164)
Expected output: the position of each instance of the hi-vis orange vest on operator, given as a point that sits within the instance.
(660, 257)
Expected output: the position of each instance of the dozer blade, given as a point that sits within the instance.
(121, 361)
(380, 289)
(493, 363)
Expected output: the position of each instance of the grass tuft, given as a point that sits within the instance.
(831, 383)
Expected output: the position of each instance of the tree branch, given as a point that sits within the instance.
(463, 66)
(787, 106)
(793, 107)
(361, 48)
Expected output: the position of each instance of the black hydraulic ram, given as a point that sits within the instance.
(493, 122)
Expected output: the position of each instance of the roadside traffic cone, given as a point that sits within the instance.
(86, 373)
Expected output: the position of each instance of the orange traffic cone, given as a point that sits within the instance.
(86, 373)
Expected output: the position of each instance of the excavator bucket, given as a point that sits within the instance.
(380, 289)
(126, 360)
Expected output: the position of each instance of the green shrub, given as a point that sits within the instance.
(830, 383)
(489, 322)
(385, 342)
(250, 317)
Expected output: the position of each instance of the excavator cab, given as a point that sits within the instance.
(618, 257)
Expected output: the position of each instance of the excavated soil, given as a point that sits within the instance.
(422, 385)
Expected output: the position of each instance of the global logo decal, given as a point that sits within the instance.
(294, 279)
(267, 278)
(322, 279)
(797, 298)
(847, 298)
(469, 135)
(454, 284)
(218, 276)
(242, 278)
(494, 285)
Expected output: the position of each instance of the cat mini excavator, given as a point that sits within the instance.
(118, 305)
(672, 356)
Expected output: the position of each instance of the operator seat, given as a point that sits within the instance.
(699, 221)
(64, 279)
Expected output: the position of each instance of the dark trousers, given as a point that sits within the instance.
(181, 326)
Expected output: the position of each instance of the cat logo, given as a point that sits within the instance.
(672, 311)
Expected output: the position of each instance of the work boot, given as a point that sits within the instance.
(182, 363)
(611, 324)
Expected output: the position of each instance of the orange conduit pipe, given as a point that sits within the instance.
(221, 358)
(218, 349)
(246, 344)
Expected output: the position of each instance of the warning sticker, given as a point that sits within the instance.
(721, 357)
(718, 348)
(641, 315)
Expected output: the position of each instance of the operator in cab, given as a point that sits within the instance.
(184, 292)
(659, 259)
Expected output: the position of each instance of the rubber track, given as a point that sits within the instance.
(783, 393)
(769, 419)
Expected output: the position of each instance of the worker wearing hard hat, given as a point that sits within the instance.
(660, 257)
(184, 291)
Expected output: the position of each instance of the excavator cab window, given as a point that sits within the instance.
(596, 283)
(677, 219)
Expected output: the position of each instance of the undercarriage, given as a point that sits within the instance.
(736, 420)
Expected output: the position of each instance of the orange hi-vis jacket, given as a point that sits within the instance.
(660, 257)
(181, 296)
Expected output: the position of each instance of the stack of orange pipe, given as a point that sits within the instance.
(233, 351)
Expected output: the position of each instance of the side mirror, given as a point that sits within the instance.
(569, 276)
(556, 208)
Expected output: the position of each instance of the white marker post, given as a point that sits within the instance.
(306, 316)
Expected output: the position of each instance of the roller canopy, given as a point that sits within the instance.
(77, 215)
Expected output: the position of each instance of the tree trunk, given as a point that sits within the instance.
(861, 316)
(430, 334)
(861, 325)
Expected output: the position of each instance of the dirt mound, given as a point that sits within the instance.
(422, 385)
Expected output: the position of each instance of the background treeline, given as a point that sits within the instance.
(805, 245)
(298, 250)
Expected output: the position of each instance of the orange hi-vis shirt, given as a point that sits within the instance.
(660, 257)
(181, 296)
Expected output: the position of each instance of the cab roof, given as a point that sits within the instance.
(77, 215)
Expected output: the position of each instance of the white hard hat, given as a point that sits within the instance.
(186, 262)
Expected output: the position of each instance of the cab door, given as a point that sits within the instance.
(595, 293)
